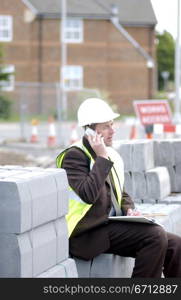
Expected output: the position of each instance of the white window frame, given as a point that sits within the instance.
(7, 85)
(72, 77)
(73, 31)
(6, 28)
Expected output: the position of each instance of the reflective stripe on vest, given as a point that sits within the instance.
(77, 207)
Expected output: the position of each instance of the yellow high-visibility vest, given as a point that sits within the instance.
(77, 207)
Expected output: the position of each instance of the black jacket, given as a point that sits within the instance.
(89, 237)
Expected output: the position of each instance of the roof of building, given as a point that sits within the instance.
(135, 12)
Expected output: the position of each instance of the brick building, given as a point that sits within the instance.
(99, 56)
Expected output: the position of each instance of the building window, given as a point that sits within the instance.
(7, 85)
(73, 32)
(73, 77)
(6, 25)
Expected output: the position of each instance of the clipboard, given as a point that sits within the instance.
(139, 219)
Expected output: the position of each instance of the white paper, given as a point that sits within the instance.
(140, 219)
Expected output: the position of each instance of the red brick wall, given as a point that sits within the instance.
(111, 64)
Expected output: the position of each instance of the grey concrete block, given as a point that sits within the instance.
(177, 150)
(125, 149)
(70, 268)
(15, 255)
(15, 206)
(139, 185)
(29, 200)
(57, 271)
(158, 183)
(61, 181)
(26, 255)
(137, 155)
(178, 177)
(44, 247)
(33, 252)
(172, 175)
(105, 265)
(164, 153)
(151, 209)
(143, 158)
(66, 269)
(110, 266)
(172, 199)
(128, 183)
(83, 267)
(167, 215)
(43, 192)
(61, 230)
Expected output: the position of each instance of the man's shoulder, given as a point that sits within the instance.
(75, 152)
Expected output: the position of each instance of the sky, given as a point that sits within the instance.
(166, 14)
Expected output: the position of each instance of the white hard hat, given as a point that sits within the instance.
(94, 110)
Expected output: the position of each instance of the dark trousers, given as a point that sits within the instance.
(155, 250)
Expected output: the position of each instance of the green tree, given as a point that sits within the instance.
(5, 103)
(165, 53)
(3, 75)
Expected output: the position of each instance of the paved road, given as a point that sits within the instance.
(11, 136)
(17, 131)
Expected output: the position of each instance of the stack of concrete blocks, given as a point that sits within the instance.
(152, 174)
(144, 181)
(164, 214)
(168, 153)
(33, 228)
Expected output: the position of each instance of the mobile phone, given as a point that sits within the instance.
(90, 131)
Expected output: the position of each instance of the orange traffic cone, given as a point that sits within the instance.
(74, 136)
(34, 131)
(149, 135)
(51, 141)
(133, 133)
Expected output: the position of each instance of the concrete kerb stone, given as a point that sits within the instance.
(61, 180)
(125, 150)
(172, 175)
(128, 184)
(35, 251)
(158, 183)
(61, 230)
(173, 198)
(137, 155)
(66, 269)
(163, 152)
(167, 215)
(15, 206)
(142, 157)
(105, 266)
(32, 198)
(29, 243)
(110, 266)
(139, 185)
(178, 177)
(177, 150)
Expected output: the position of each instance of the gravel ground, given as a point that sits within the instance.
(28, 156)
(14, 158)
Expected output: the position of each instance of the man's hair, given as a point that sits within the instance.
(92, 126)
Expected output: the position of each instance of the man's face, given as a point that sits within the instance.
(107, 131)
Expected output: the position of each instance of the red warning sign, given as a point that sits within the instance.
(153, 111)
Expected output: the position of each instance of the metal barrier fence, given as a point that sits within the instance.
(43, 99)
(39, 101)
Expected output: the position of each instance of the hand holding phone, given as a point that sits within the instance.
(97, 142)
